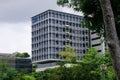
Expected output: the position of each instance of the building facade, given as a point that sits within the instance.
(98, 42)
(52, 30)
(8, 59)
(17, 63)
(23, 64)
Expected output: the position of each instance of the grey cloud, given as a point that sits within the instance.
(22, 10)
(15, 30)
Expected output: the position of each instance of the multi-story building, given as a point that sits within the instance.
(97, 42)
(16, 63)
(51, 31)
(8, 59)
(23, 64)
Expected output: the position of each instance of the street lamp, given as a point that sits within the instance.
(103, 68)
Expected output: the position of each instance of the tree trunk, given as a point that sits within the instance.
(111, 34)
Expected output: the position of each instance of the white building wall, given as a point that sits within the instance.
(97, 42)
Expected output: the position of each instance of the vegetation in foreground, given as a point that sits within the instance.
(102, 16)
(88, 69)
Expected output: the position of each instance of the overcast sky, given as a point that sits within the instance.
(15, 23)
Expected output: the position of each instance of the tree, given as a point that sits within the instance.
(88, 69)
(6, 73)
(90, 66)
(111, 34)
(91, 10)
(34, 67)
(22, 55)
(69, 54)
(105, 24)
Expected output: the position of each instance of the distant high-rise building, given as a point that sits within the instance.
(51, 31)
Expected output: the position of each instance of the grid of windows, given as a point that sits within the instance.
(52, 30)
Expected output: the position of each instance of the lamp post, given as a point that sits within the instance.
(103, 68)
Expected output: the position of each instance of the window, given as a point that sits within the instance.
(64, 36)
(63, 29)
(35, 19)
(63, 16)
(57, 35)
(60, 29)
(73, 18)
(61, 23)
(86, 32)
(57, 42)
(56, 28)
(64, 43)
(49, 20)
(56, 50)
(60, 16)
(96, 44)
(83, 32)
(49, 14)
(60, 36)
(53, 21)
(53, 15)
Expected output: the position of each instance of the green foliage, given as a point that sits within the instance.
(22, 55)
(92, 10)
(68, 54)
(90, 55)
(111, 73)
(27, 77)
(87, 69)
(92, 62)
(60, 73)
(7, 73)
(89, 65)
(34, 67)
(40, 75)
